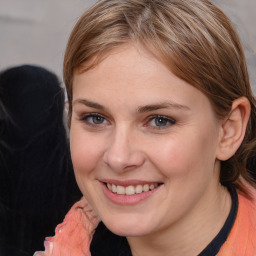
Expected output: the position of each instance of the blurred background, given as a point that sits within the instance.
(36, 31)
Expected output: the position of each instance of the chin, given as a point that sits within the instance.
(127, 229)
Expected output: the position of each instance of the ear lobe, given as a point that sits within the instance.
(233, 129)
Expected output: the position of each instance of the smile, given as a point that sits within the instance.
(131, 190)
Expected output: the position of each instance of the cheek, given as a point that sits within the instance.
(184, 155)
(85, 151)
(173, 152)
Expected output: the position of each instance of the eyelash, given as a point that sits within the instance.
(85, 118)
(167, 121)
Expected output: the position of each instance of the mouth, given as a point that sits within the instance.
(130, 192)
(131, 189)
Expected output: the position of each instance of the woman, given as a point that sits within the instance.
(162, 122)
(37, 182)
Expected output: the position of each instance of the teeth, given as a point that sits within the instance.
(138, 189)
(146, 187)
(120, 190)
(131, 190)
(113, 188)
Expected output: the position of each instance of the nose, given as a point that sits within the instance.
(123, 152)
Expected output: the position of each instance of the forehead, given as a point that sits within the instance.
(132, 77)
(121, 62)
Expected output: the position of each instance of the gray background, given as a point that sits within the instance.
(36, 31)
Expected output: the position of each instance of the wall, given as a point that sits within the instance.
(36, 31)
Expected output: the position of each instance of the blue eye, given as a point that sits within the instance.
(94, 119)
(161, 121)
(97, 119)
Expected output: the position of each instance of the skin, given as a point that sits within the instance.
(129, 143)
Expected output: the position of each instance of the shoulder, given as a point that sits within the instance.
(242, 238)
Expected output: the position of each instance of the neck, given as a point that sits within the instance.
(190, 235)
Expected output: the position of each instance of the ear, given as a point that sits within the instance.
(233, 129)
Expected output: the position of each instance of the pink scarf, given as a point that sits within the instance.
(73, 236)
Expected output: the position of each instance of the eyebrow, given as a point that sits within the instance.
(90, 104)
(153, 107)
(141, 109)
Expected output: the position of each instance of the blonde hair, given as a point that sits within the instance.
(193, 38)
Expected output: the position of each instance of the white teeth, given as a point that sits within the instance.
(138, 189)
(120, 190)
(131, 190)
(146, 187)
(114, 188)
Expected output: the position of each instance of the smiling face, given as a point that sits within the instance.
(143, 144)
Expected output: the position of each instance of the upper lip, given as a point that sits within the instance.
(126, 183)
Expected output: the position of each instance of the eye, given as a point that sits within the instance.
(94, 119)
(161, 121)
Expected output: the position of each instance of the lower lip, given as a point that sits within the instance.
(127, 200)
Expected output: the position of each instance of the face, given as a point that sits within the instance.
(143, 144)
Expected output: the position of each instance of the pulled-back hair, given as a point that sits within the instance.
(193, 38)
